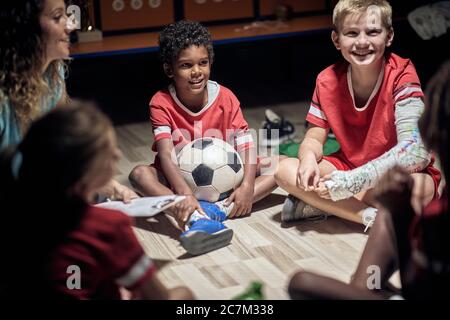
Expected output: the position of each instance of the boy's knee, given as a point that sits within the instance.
(301, 285)
(286, 169)
(137, 174)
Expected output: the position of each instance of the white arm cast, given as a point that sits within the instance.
(409, 152)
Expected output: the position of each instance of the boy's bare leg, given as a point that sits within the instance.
(286, 177)
(265, 181)
(307, 286)
(380, 251)
(148, 181)
(352, 208)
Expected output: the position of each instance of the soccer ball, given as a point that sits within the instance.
(211, 167)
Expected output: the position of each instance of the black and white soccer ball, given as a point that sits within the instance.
(211, 167)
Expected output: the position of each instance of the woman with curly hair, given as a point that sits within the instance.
(34, 41)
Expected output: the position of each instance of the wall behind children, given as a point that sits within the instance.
(134, 14)
(201, 10)
(119, 16)
(268, 7)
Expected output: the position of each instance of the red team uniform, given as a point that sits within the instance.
(368, 132)
(220, 118)
(107, 253)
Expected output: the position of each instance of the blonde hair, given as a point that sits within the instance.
(345, 7)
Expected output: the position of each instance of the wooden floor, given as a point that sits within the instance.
(262, 248)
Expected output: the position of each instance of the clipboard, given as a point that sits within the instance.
(143, 207)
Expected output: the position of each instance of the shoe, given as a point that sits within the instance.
(215, 211)
(284, 128)
(295, 209)
(205, 235)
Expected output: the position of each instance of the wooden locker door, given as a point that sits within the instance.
(210, 10)
(129, 18)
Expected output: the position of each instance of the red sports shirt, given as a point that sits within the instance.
(366, 133)
(221, 118)
(108, 256)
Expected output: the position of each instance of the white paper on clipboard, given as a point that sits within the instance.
(143, 207)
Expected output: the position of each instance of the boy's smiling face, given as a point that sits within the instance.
(362, 38)
(190, 72)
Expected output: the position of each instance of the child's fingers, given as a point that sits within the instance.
(236, 209)
(246, 209)
(230, 199)
(233, 211)
(325, 196)
(187, 213)
(181, 225)
(200, 209)
(304, 181)
(239, 212)
(299, 179)
(316, 179)
(323, 193)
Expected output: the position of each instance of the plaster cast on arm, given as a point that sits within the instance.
(409, 152)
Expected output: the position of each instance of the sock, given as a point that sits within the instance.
(196, 216)
(368, 217)
(222, 207)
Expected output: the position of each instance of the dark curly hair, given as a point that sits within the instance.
(22, 55)
(181, 35)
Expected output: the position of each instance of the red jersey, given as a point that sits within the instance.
(221, 118)
(107, 253)
(368, 132)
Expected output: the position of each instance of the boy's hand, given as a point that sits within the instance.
(185, 208)
(308, 173)
(322, 189)
(243, 199)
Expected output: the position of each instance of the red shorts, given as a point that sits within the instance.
(342, 164)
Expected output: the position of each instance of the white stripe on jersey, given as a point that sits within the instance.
(317, 112)
(244, 139)
(407, 90)
(136, 272)
(162, 129)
